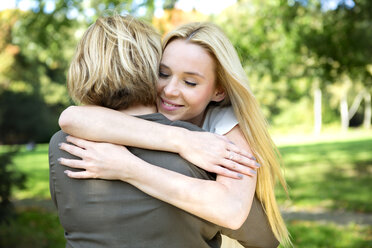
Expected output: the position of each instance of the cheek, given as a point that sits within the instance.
(199, 99)
(159, 86)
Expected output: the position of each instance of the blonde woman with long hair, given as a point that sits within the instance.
(201, 80)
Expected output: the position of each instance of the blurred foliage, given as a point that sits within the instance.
(288, 48)
(32, 90)
(35, 49)
(175, 17)
(10, 178)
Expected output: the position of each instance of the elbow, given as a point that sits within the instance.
(236, 224)
(66, 118)
(236, 221)
(235, 217)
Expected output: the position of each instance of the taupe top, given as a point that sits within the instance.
(100, 213)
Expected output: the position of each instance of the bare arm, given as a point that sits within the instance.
(211, 152)
(225, 202)
(107, 125)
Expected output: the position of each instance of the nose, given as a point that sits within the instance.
(171, 88)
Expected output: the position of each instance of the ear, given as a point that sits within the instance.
(219, 95)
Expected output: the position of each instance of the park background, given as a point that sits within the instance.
(310, 66)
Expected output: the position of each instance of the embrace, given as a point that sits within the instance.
(169, 147)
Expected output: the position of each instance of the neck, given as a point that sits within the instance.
(139, 110)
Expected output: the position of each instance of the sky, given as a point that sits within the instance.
(204, 6)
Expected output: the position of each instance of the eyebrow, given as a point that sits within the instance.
(186, 72)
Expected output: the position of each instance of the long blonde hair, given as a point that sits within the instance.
(232, 77)
(116, 63)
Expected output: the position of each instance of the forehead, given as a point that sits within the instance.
(187, 55)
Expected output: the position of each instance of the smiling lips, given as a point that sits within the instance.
(169, 106)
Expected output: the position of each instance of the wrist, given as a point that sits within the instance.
(135, 172)
(179, 139)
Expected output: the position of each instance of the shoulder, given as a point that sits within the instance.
(54, 151)
(57, 138)
(186, 125)
(161, 119)
(219, 120)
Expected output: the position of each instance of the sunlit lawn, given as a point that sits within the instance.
(331, 174)
(41, 229)
(32, 228)
(334, 175)
(35, 165)
(308, 234)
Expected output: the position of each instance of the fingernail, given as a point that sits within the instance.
(240, 176)
(59, 160)
(59, 145)
(253, 171)
(66, 172)
(258, 165)
(254, 158)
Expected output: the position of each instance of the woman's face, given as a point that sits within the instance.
(186, 82)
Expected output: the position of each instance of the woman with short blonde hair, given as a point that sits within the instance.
(103, 73)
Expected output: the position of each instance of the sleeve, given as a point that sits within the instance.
(219, 120)
(255, 231)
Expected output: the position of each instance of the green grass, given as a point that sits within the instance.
(334, 175)
(32, 228)
(308, 234)
(35, 165)
(38, 228)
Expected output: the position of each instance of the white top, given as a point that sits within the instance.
(219, 120)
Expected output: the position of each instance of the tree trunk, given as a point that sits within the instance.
(367, 111)
(317, 111)
(344, 113)
(354, 107)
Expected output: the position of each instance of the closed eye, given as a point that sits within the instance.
(163, 75)
(190, 83)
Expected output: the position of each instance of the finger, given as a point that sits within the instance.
(73, 163)
(243, 160)
(219, 170)
(78, 174)
(72, 149)
(234, 148)
(78, 142)
(231, 165)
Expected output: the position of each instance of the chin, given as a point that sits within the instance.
(170, 117)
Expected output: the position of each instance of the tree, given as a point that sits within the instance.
(31, 95)
(267, 47)
(291, 49)
(344, 51)
(9, 178)
(175, 17)
(36, 47)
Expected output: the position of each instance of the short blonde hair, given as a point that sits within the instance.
(233, 79)
(116, 64)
